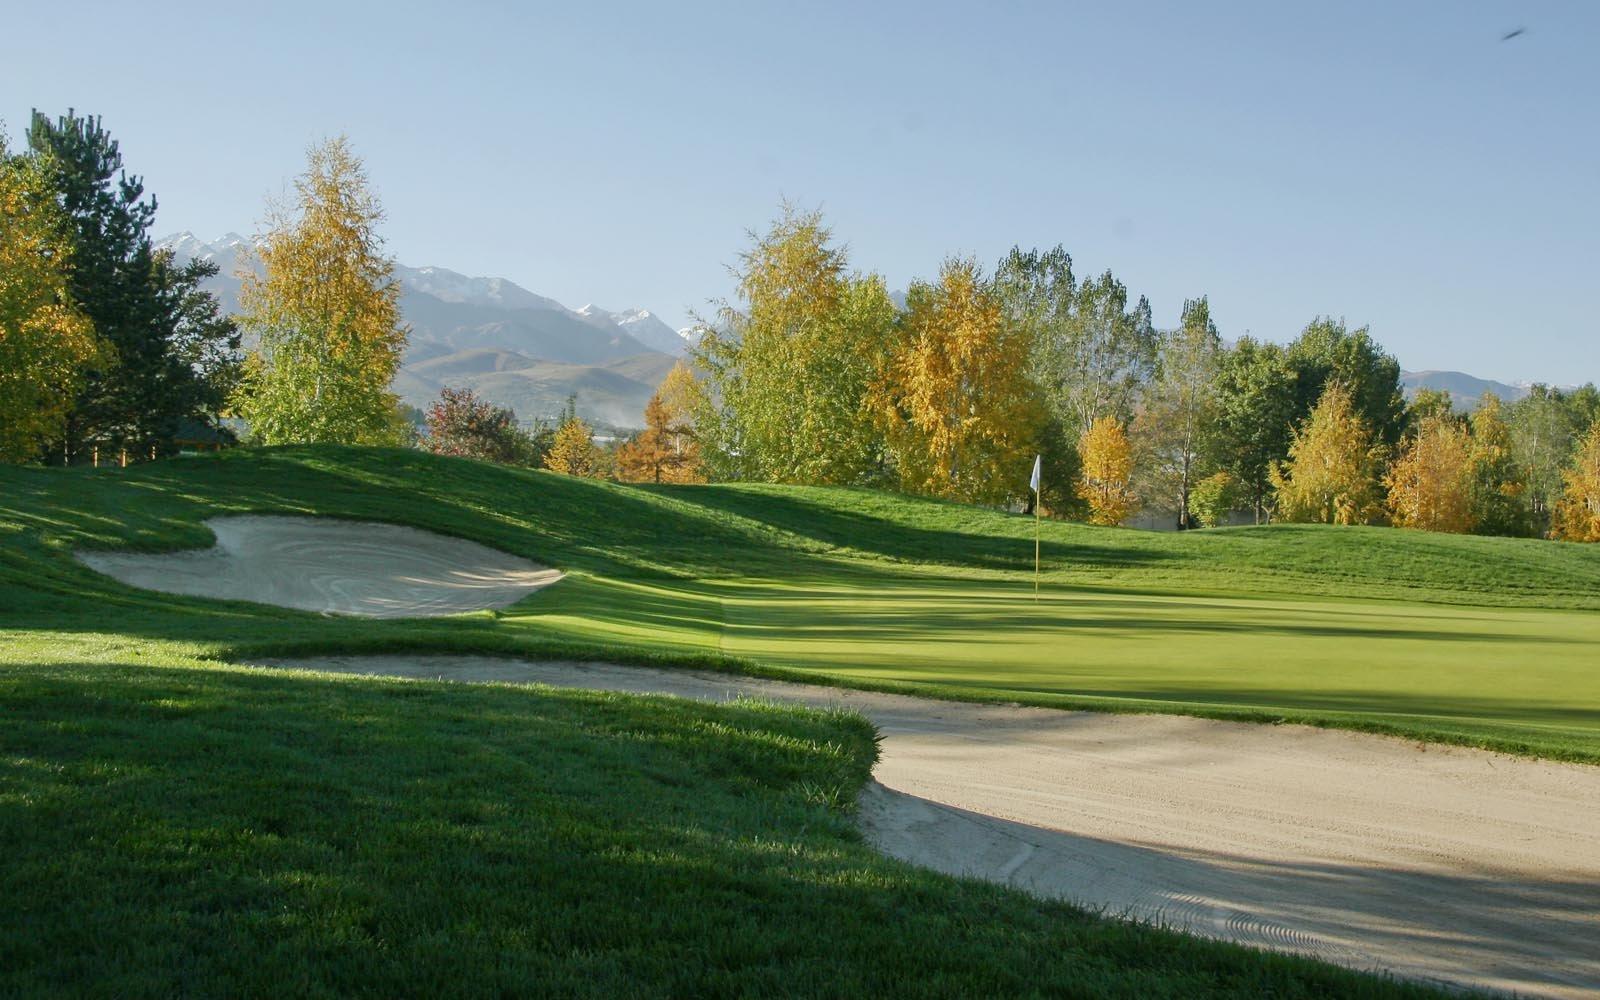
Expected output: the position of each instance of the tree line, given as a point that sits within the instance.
(814, 373)
(106, 345)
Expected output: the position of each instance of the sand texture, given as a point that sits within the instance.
(334, 566)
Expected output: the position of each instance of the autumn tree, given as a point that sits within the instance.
(1430, 482)
(1499, 497)
(46, 342)
(789, 366)
(170, 356)
(1255, 418)
(325, 311)
(1332, 472)
(1105, 482)
(462, 424)
(1173, 430)
(663, 452)
(1577, 512)
(954, 400)
(572, 450)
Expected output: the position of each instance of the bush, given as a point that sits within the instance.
(463, 425)
(1212, 499)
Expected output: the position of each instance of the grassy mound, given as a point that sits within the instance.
(1472, 640)
(170, 826)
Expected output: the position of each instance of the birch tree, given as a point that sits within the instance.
(325, 311)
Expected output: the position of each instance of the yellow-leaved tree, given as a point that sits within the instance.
(665, 451)
(1332, 473)
(325, 313)
(957, 407)
(1431, 481)
(1577, 514)
(572, 451)
(1499, 496)
(1104, 482)
(45, 342)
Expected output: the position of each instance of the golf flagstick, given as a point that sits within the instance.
(1033, 483)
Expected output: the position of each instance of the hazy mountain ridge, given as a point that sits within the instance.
(1465, 390)
(513, 346)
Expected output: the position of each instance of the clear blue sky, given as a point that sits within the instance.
(1392, 163)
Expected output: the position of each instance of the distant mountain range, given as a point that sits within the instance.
(1465, 390)
(530, 353)
(511, 346)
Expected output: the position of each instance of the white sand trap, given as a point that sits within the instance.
(329, 565)
(1434, 863)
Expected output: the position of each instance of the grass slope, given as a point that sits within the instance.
(1476, 640)
(174, 827)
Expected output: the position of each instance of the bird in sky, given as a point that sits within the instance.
(1508, 36)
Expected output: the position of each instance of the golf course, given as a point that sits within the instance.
(174, 811)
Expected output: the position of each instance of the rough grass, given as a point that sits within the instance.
(175, 827)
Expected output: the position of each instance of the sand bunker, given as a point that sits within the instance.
(341, 567)
(1436, 863)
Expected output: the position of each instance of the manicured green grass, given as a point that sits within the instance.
(173, 824)
(176, 827)
(1493, 642)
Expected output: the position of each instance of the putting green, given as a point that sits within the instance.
(1513, 674)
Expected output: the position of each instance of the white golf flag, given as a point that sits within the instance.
(1033, 483)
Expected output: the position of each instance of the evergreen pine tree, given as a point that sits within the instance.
(170, 354)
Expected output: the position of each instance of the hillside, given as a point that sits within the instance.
(612, 393)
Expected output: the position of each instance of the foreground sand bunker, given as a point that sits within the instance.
(1440, 863)
(340, 567)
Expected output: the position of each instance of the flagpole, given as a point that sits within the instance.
(1038, 495)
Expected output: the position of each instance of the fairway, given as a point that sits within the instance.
(1477, 640)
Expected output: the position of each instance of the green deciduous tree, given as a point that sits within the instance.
(1543, 434)
(325, 311)
(1213, 499)
(1090, 352)
(1327, 352)
(1255, 404)
(1173, 431)
(789, 367)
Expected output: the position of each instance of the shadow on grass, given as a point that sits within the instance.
(232, 833)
